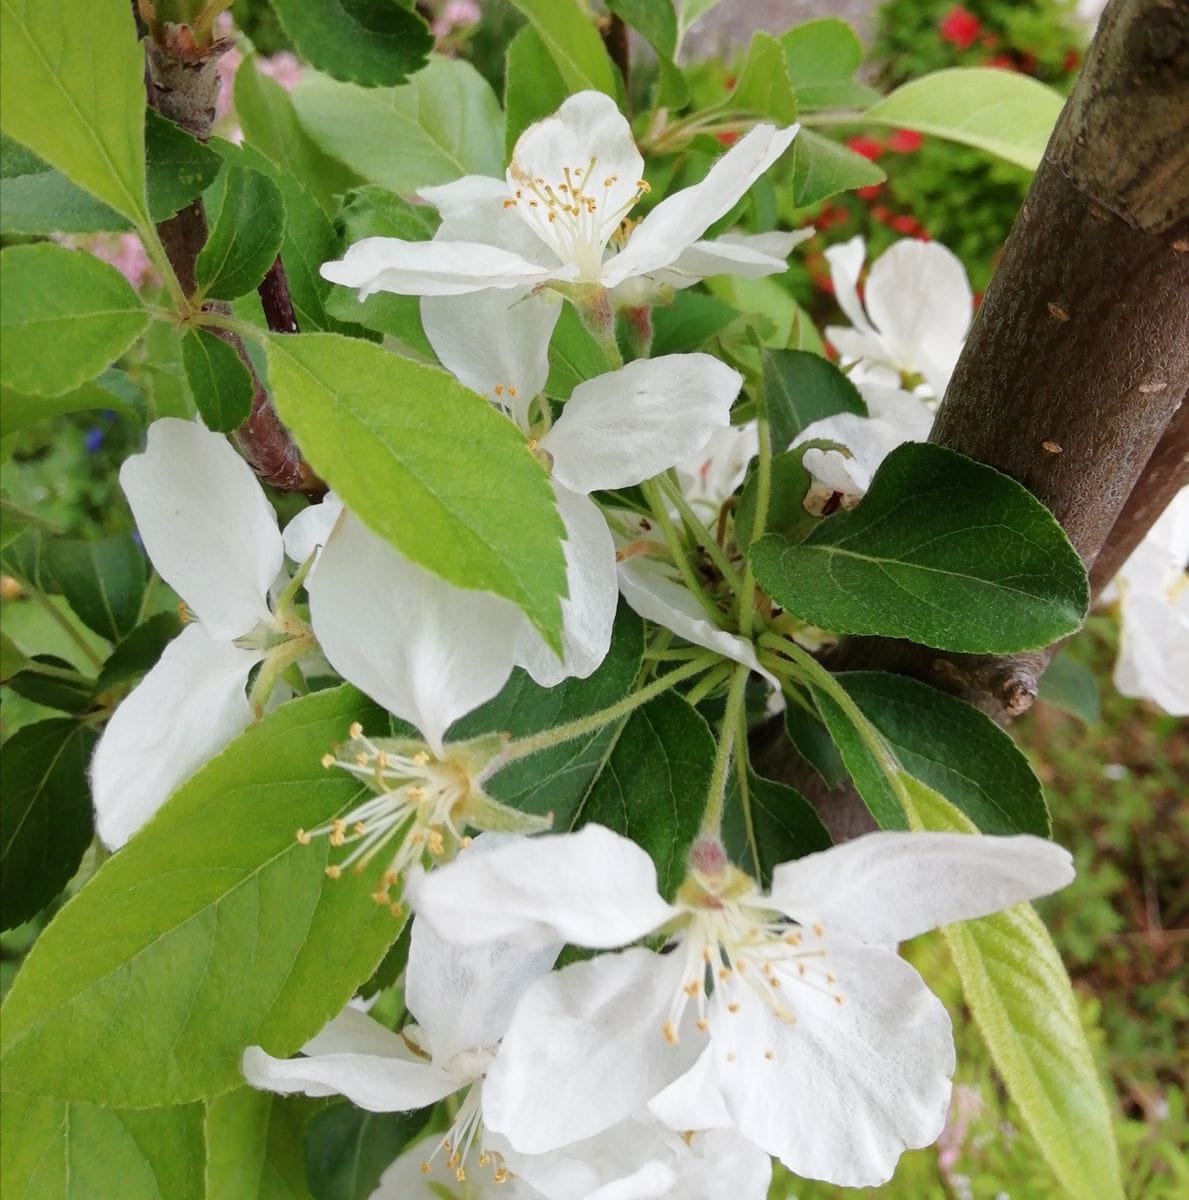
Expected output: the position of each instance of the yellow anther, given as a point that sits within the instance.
(839, 999)
(361, 759)
(643, 186)
(792, 939)
(831, 977)
(610, 180)
(703, 1025)
(184, 613)
(460, 1175)
(355, 731)
(420, 758)
(499, 389)
(328, 761)
(509, 203)
(693, 988)
(512, 392)
(769, 1054)
(818, 928)
(733, 1007)
(333, 872)
(303, 837)
(425, 1168)
(670, 1032)
(396, 908)
(484, 1159)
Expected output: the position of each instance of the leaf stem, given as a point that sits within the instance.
(747, 590)
(716, 793)
(741, 765)
(706, 538)
(546, 739)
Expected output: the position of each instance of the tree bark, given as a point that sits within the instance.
(1078, 360)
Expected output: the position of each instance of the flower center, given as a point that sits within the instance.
(575, 213)
(464, 1137)
(416, 810)
(736, 942)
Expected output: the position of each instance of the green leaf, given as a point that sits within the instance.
(763, 86)
(64, 316)
(571, 38)
(800, 388)
(822, 57)
(103, 580)
(219, 381)
(376, 43)
(943, 551)
(58, 686)
(269, 121)
(557, 780)
(574, 355)
(373, 212)
(40, 200)
(1070, 685)
(45, 814)
(58, 1151)
(427, 452)
(180, 167)
(688, 11)
(654, 20)
(823, 168)
(1006, 113)
(812, 742)
(789, 484)
(139, 650)
(784, 826)
(72, 90)
(654, 783)
(212, 930)
(348, 1149)
(1015, 985)
(689, 323)
(21, 411)
(255, 1146)
(444, 123)
(533, 86)
(246, 236)
(12, 658)
(955, 749)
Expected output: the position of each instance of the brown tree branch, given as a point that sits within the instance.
(182, 84)
(1078, 359)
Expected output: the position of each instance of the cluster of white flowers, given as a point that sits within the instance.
(710, 1032)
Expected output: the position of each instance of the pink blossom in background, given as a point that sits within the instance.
(964, 1106)
(457, 14)
(284, 67)
(124, 251)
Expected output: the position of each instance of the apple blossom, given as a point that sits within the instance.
(573, 179)
(913, 318)
(212, 536)
(826, 1049)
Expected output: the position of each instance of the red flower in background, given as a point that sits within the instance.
(869, 192)
(960, 28)
(1003, 62)
(905, 141)
(1071, 61)
(868, 147)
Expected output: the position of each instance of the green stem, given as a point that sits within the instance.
(747, 591)
(231, 324)
(741, 761)
(594, 307)
(67, 626)
(154, 248)
(706, 538)
(717, 792)
(548, 738)
(709, 683)
(660, 514)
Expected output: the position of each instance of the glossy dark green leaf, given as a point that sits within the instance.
(653, 785)
(179, 168)
(800, 388)
(103, 580)
(943, 551)
(348, 1149)
(219, 381)
(780, 825)
(689, 322)
(45, 814)
(375, 43)
(812, 741)
(245, 235)
(955, 749)
(57, 686)
(137, 652)
(789, 484)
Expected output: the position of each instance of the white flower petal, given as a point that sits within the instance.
(887, 887)
(629, 425)
(473, 210)
(650, 587)
(463, 996)
(426, 650)
(693, 1101)
(592, 888)
(835, 471)
(713, 474)
(404, 1178)
(1153, 662)
(749, 256)
(680, 219)
(436, 268)
(842, 1091)
(919, 298)
(206, 524)
(719, 1164)
(310, 529)
(184, 711)
(495, 342)
(352, 1031)
(846, 265)
(585, 1050)
(588, 613)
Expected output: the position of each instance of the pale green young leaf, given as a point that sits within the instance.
(360, 41)
(255, 1147)
(219, 381)
(1071, 686)
(407, 447)
(212, 930)
(822, 168)
(1003, 112)
(444, 123)
(64, 316)
(943, 551)
(53, 1150)
(572, 40)
(245, 236)
(574, 355)
(12, 658)
(689, 323)
(822, 58)
(533, 86)
(72, 90)
(763, 88)
(1016, 986)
